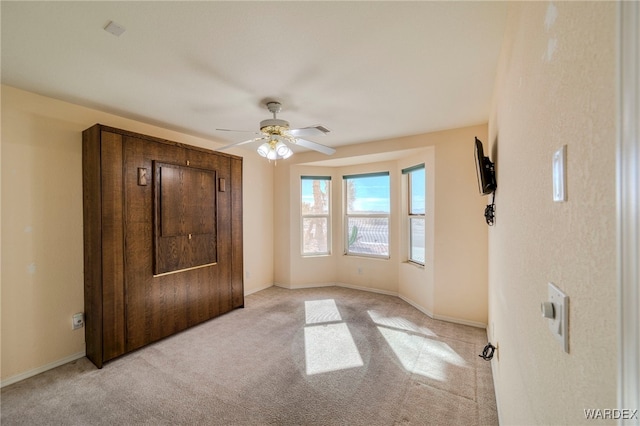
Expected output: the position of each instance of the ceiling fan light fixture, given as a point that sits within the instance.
(272, 155)
(275, 150)
(282, 149)
(264, 149)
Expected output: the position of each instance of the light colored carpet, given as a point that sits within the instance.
(321, 356)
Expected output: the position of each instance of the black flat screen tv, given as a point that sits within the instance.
(484, 168)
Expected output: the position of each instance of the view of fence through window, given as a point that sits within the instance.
(367, 199)
(315, 199)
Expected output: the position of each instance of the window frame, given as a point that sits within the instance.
(326, 216)
(412, 215)
(347, 215)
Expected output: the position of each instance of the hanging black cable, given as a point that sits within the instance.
(487, 352)
(489, 211)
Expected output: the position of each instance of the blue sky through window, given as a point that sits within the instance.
(417, 191)
(371, 195)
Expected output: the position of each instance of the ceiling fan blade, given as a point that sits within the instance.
(310, 131)
(315, 146)
(242, 131)
(239, 143)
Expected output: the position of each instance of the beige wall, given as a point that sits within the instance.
(42, 249)
(555, 86)
(460, 244)
(453, 285)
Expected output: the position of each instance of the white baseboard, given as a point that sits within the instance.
(266, 286)
(19, 377)
(460, 321)
(372, 290)
(335, 284)
(442, 317)
(312, 285)
(417, 306)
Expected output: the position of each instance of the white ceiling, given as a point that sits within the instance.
(366, 70)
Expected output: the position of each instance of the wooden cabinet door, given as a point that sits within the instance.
(165, 295)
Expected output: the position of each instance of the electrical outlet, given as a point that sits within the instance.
(77, 321)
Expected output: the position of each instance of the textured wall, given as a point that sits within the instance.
(460, 245)
(555, 86)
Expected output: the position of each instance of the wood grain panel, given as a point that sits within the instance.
(92, 236)
(222, 299)
(145, 301)
(186, 200)
(237, 276)
(112, 247)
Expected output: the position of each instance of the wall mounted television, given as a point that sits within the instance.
(485, 170)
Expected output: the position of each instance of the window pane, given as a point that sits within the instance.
(368, 195)
(315, 196)
(368, 236)
(315, 235)
(416, 228)
(417, 192)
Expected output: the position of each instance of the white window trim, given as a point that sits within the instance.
(407, 171)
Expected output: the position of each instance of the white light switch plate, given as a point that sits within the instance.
(559, 175)
(559, 325)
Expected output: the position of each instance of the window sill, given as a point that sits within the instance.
(364, 256)
(415, 264)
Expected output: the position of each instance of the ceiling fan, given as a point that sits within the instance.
(278, 135)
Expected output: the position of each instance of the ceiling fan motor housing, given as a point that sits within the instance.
(274, 125)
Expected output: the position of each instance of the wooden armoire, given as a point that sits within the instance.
(162, 238)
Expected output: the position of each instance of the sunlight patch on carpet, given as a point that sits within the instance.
(399, 323)
(321, 311)
(421, 355)
(330, 347)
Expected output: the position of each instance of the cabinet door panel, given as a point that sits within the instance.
(144, 301)
(112, 247)
(184, 216)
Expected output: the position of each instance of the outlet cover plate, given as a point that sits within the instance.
(77, 321)
(559, 325)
